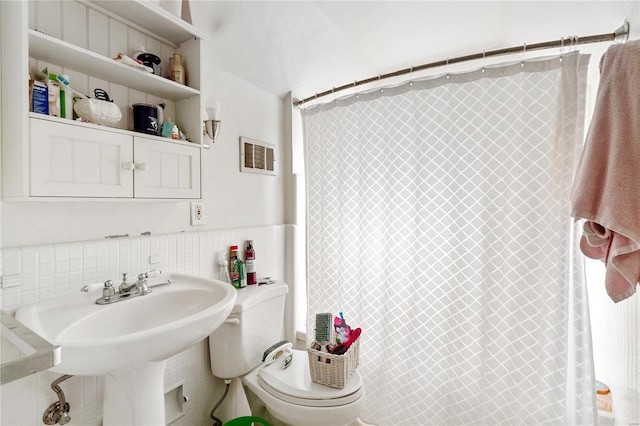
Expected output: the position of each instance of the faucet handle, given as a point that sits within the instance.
(151, 274)
(108, 291)
(124, 277)
(141, 284)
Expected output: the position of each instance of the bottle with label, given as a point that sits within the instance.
(250, 263)
(177, 69)
(56, 97)
(236, 269)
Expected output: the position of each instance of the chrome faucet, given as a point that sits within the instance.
(139, 287)
(126, 290)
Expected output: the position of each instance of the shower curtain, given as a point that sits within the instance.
(438, 222)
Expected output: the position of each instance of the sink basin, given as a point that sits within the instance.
(130, 341)
(98, 339)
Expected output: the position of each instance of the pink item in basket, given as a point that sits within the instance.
(344, 347)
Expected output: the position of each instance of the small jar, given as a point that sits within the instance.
(603, 396)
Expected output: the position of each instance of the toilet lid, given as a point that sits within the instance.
(294, 384)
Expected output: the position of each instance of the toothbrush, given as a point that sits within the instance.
(66, 83)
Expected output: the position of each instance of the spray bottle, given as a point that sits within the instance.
(236, 269)
(250, 263)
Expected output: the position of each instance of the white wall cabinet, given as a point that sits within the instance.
(74, 161)
(165, 170)
(46, 157)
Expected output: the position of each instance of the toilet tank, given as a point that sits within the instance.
(255, 323)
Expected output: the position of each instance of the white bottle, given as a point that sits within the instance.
(223, 268)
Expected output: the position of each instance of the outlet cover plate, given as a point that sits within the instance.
(197, 213)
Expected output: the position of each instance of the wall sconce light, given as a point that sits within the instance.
(211, 127)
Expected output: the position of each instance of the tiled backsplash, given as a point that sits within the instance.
(40, 272)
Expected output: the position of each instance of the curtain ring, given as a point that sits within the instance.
(355, 88)
(524, 51)
(484, 55)
(447, 65)
(411, 75)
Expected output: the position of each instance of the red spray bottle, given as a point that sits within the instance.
(250, 263)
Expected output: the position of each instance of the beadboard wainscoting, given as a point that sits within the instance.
(40, 272)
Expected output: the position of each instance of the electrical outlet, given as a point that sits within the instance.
(197, 213)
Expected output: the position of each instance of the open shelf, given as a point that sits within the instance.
(55, 51)
(162, 22)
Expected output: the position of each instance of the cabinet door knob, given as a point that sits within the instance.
(128, 166)
(142, 167)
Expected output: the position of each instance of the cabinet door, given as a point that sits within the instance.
(74, 161)
(165, 169)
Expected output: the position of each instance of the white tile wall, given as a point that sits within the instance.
(50, 270)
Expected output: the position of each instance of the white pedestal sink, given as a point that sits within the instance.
(130, 341)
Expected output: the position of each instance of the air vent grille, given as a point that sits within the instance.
(257, 157)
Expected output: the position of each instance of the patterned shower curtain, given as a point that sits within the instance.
(438, 222)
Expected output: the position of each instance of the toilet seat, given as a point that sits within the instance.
(294, 385)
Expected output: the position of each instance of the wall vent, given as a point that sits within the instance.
(257, 157)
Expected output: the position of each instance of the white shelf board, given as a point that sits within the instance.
(36, 116)
(55, 51)
(152, 17)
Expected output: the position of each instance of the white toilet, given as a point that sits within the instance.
(282, 396)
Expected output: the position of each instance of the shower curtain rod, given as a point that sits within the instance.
(619, 35)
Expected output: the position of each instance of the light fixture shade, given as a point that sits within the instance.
(213, 109)
(212, 128)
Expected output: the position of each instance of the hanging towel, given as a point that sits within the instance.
(606, 191)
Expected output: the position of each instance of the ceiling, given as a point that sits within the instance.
(311, 46)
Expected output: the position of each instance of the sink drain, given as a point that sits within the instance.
(58, 412)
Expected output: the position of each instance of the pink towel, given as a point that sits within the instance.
(606, 190)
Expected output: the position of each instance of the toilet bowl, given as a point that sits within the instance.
(290, 396)
(284, 396)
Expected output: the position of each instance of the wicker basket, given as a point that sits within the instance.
(334, 370)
